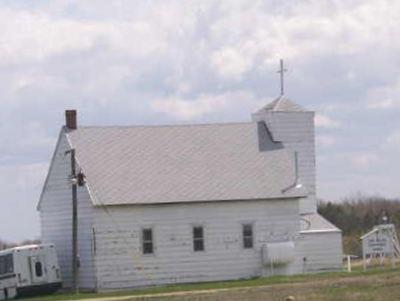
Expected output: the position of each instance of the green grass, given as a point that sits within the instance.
(308, 281)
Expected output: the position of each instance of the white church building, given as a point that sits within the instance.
(190, 203)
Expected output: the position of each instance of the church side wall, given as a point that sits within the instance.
(56, 222)
(121, 264)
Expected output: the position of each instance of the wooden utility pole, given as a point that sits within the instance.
(74, 181)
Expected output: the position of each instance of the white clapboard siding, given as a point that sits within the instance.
(322, 251)
(119, 259)
(56, 223)
(296, 132)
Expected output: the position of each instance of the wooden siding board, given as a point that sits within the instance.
(323, 251)
(55, 216)
(120, 263)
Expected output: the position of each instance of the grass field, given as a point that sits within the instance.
(373, 285)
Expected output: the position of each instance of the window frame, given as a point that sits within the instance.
(246, 237)
(38, 269)
(6, 264)
(197, 239)
(146, 241)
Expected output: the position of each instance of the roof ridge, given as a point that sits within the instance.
(277, 104)
(283, 104)
(165, 125)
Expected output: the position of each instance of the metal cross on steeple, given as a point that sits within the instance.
(282, 71)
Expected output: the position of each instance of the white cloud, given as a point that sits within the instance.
(325, 140)
(231, 63)
(364, 161)
(324, 121)
(186, 109)
(393, 140)
(261, 34)
(23, 183)
(25, 140)
(385, 97)
(381, 103)
(236, 37)
(30, 36)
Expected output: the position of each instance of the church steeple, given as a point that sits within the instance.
(282, 103)
(292, 127)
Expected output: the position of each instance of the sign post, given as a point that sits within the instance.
(381, 242)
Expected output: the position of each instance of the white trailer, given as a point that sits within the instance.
(29, 270)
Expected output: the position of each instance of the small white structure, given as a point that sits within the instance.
(381, 242)
(28, 270)
(190, 203)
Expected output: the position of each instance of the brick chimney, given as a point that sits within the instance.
(70, 119)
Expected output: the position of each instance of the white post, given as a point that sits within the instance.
(393, 257)
(364, 260)
(349, 263)
(272, 267)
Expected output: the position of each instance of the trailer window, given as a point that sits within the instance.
(38, 269)
(6, 264)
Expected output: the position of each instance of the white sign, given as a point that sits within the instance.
(381, 242)
(377, 243)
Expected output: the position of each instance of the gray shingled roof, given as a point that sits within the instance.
(313, 222)
(283, 104)
(164, 164)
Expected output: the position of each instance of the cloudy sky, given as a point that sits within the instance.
(164, 62)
